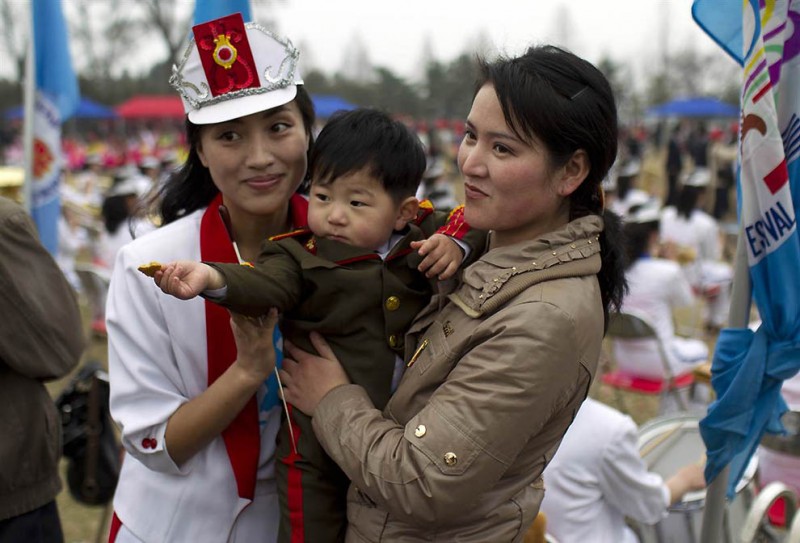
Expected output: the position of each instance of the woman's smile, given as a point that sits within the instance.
(473, 193)
(264, 182)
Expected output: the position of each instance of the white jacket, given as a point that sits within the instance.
(597, 478)
(158, 361)
(656, 287)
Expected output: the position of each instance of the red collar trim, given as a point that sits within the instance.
(371, 256)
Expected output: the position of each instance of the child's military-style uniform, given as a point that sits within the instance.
(362, 305)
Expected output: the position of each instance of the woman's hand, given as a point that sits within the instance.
(185, 279)
(197, 422)
(254, 344)
(687, 479)
(307, 378)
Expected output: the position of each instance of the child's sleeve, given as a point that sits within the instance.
(276, 280)
(452, 224)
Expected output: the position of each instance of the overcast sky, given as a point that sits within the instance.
(394, 32)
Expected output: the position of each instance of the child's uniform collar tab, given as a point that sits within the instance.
(293, 234)
(425, 209)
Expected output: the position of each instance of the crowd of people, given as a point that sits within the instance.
(318, 353)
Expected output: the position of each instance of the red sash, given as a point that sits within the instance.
(242, 437)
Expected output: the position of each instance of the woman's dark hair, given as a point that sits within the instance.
(637, 240)
(190, 187)
(687, 200)
(368, 138)
(624, 185)
(567, 104)
(115, 211)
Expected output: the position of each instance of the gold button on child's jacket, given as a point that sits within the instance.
(420, 430)
(392, 303)
(450, 458)
(393, 341)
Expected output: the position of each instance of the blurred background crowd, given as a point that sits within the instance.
(674, 183)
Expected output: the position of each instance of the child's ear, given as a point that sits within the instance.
(406, 212)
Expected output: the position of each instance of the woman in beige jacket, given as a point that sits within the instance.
(498, 366)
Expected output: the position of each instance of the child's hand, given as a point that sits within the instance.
(186, 279)
(442, 255)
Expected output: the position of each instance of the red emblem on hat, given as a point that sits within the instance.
(225, 54)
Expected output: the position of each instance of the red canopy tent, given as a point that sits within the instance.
(151, 107)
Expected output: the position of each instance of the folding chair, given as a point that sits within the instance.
(631, 325)
(94, 284)
(772, 511)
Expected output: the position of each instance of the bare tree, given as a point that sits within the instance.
(104, 31)
(563, 31)
(170, 24)
(15, 35)
(356, 64)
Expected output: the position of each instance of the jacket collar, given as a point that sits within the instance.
(342, 253)
(504, 272)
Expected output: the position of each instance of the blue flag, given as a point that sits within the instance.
(207, 10)
(56, 98)
(749, 367)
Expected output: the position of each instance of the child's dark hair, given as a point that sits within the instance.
(567, 104)
(190, 187)
(368, 138)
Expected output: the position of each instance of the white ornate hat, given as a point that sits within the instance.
(231, 69)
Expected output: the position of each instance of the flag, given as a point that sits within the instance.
(207, 10)
(749, 367)
(55, 98)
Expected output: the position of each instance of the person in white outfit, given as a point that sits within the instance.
(121, 219)
(656, 287)
(626, 193)
(695, 233)
(597, 478)
(198, 415)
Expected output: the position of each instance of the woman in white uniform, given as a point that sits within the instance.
(691, 229)
(656, 287)
(121, 220)
(597, 478)
(198, 419)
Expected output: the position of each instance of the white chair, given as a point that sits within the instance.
(94, 286)
(631, 325)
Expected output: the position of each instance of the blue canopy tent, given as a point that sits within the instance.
(327, 104)
(87, 109)
(694, 107)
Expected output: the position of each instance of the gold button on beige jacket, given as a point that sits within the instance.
(496, 372)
